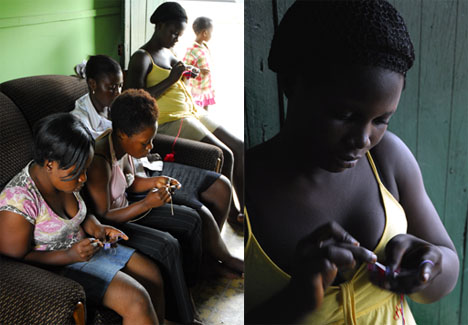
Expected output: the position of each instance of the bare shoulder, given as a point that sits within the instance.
(140, 57)
(138, 67)
(395, 162)
(15, 234)
(102, 161)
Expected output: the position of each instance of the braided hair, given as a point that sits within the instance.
(363, 32)
(168, 11)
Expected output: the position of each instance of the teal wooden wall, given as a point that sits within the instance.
(52, 36)
(432, 117)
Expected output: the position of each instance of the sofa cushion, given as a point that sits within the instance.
(15, 140)
(39, 96)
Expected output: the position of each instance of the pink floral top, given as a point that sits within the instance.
(51, 232)
(202, 89)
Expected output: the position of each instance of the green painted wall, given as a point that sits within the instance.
(432, 117)
(52, 36)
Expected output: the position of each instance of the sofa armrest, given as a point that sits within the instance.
(31, 295)
(190, 152)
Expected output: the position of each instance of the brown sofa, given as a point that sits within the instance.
(30, 294)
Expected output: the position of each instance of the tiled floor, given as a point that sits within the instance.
(222, 301)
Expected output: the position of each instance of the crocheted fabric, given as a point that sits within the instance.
(368, 32)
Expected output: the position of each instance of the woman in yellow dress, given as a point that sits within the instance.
(352, 193)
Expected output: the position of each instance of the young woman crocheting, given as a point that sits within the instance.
(134, 114)
(353, 194)
(208, 192)
(201, 188)
(44, 220)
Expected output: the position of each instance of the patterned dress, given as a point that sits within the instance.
(51, 232)
(202, 91)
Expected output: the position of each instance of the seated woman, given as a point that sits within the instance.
(134, 114)
(206, 191)
(155, 68)
(44, 220)
(354, 193)
(104, 78)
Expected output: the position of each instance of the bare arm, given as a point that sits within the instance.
(97, 186)
(143, 184)
(138, 68)
(423, 223)
(16, 235)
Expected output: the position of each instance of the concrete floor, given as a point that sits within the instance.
(221, 301)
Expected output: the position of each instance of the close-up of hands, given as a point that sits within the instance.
(320, 256)
(84, 250)
(412, 264)
(162, 182)
(177, 71)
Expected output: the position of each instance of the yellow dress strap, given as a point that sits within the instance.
(151, 57)
(374, 169)
(252, 243)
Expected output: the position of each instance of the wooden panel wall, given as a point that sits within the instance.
(432, 117)
(137, 27)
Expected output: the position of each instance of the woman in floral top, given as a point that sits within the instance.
(44, 220)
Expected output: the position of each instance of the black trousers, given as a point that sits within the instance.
(174, 242)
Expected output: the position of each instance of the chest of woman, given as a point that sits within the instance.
(299, 211)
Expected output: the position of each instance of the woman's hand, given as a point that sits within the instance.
(319, 256)
(415, 261)
(84, 250)
(162, 182)
(112, 235)
(191, 71)
(157, 197)
(176, 71)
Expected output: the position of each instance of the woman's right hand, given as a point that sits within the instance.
(176, 71)
(157, 197)
(319, 256)
(83, 250)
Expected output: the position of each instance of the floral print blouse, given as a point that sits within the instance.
(51, 232)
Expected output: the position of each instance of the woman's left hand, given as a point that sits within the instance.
(108, 233)
(114, 234)
(412, 264)
(164, 182)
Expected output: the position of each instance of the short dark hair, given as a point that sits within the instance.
(168, 11)
(63, 138)
(133, 111)
(365, 32)
(201, 23)
(99, 65)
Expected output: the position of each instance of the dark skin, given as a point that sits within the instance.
(163, 39)
(138, 146)
(125, 295)
(331, 181)
(216, 198)
(104, 89)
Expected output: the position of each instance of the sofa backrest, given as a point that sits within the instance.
(40, 96)
(23, 102)
(15, 140)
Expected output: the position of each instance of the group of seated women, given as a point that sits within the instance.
(80, 194)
